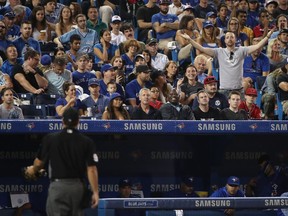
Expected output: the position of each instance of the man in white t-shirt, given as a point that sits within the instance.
(116, 35)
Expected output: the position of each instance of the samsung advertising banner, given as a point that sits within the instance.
(154, 161)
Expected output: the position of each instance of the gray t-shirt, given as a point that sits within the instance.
(14, 113)
(231, 67)
(55, 81)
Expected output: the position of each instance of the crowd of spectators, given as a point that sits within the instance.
(114, 60)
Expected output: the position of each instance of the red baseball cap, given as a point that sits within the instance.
(251, 91)
(209, 79)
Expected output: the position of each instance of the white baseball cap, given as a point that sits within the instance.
(116, 18)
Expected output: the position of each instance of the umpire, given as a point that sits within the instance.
(71, 156)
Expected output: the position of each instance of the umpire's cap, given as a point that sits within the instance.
(70, 117)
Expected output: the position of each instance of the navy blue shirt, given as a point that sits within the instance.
(219, 101)
(22, 45)
(222, 192)
(254, 68)
(273, 185)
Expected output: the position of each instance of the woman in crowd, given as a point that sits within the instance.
(190, 86)
(276, 59)
(186, 25)
(65, 21)
(41, 29)
(208, 37)
(69, 100)
(171, 72)
(131, 47)
(60, 52)
(159, 80)
(147, 58)
(115, 109)
(104, 51)
(75, 9)
(117, 61)
(241, 38)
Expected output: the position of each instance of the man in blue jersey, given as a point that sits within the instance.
(49, 8)
(165, 25)
(88, 36)
(12, 31)
(256, 64)
(133, 87)
(231, 189)
(81, 76)
(11, 61)
(25, 41)
(96, 102)
(109, 74)
(13, 5)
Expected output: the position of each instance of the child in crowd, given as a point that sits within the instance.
(111, 88)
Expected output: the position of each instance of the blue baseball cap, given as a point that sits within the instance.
(207, 24)
(46, 60)
(115, 95)
(107, 67)
(93, 81)
(211, 13)
(233, 180)
(10, 14)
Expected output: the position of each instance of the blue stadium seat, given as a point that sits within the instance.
(33, 111)
(50, 110)
(28, 97)
(45, 99)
